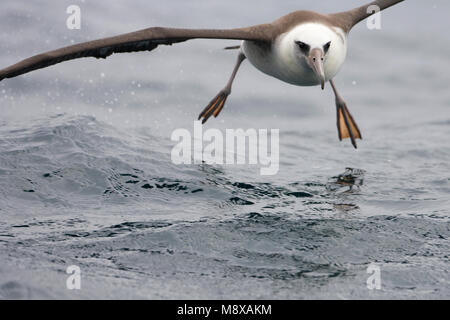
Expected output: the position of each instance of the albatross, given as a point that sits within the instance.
(302, 48)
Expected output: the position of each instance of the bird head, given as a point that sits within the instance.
(315, 56)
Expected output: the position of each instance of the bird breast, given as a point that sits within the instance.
(282, 60)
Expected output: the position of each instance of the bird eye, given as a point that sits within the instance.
(326, 47)
(303, 46)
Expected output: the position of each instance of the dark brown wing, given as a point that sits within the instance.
(143, 40)
(348, 19)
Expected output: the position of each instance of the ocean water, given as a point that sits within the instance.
(86, 176)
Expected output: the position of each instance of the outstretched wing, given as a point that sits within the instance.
(348, 19)
(143, 40)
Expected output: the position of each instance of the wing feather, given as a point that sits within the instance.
(143, 40)
(348, 19)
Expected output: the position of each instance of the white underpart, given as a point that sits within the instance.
(285, 62)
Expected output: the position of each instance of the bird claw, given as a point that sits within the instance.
(347, 127)
(214, 107)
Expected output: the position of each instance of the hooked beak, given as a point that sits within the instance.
(315, 60)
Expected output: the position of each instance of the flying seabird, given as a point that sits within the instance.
(303, 48)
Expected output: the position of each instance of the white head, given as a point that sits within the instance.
(317, 48)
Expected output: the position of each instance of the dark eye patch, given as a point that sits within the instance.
(326, 47)
(303, 47)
